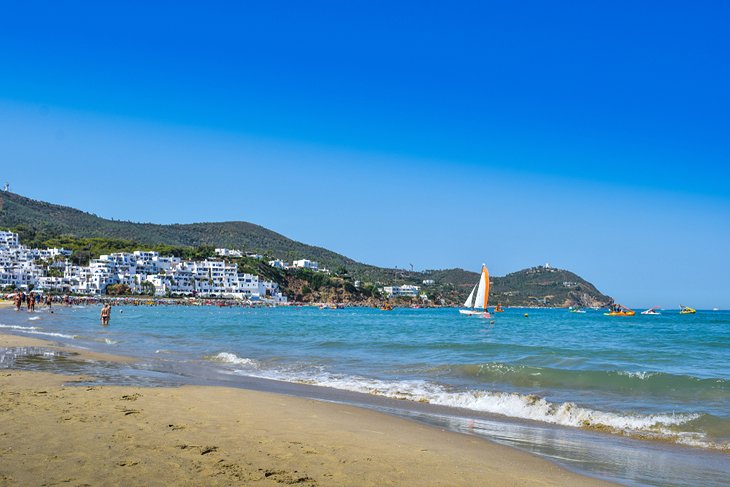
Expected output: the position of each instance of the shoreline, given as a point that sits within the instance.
(136, 300)
(218, 435)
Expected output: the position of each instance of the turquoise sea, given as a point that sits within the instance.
(642, 400)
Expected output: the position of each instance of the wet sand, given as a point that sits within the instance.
(54, 432)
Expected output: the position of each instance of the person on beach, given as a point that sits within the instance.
(18, 301)
(106, 313)
(31, 303)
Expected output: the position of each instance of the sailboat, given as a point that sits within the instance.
(477, 305)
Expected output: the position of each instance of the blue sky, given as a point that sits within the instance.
(593, 137)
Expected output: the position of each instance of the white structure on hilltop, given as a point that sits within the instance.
(278, 264)
(406, 290)
(306, 264)
(141, 271)
(228, 253)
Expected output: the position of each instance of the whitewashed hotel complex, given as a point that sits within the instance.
(25, 268)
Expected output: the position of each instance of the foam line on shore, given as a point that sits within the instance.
(665, 427)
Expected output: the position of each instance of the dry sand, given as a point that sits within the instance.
(53, 434)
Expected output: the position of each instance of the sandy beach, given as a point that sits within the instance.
(56, 432)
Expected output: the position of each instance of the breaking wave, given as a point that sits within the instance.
(232, 358)
(618, 381)
(667, 426)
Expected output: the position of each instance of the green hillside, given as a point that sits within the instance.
(42, 224)
(38, 222)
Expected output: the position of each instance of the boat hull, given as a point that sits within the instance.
(621, 313)
(480, 314)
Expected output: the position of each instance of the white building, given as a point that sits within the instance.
(406, 290)
(278, 264)
(228, 252)
(9, 240)
(168, 275)
(306, 264)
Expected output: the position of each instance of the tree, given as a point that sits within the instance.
(118, 289)
(148, 288)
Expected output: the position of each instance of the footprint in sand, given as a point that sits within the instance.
(131, 397)
(203, 450)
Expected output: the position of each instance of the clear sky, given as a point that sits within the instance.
(593, 136)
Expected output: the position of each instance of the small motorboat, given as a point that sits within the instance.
(651, 311)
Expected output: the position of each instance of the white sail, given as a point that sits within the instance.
(482, 296)
(469, 303)
(480, 299)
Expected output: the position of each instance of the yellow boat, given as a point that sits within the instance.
(686, 310)
(618, 310)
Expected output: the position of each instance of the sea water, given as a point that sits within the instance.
(608, 396)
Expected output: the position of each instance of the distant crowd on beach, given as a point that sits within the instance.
(31, 300)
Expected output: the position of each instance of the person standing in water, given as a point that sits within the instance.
(106, 313)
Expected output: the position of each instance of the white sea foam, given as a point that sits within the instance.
(510, 404)
(637, 374)
(232, 358)
(34, 331)
(109, 342)
(33, 318)
(18, 327)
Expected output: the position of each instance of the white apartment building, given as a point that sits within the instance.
(9, 240)
(209, 278)
(306, 264)
(406, 290)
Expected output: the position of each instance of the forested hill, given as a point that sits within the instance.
(42, 224)
(38, 221)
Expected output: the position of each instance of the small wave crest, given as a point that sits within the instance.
(637, 382)
(232, 358)
(667, 427)
(33, 318)
(18, 327)
(35, 331)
